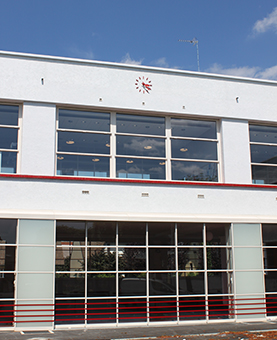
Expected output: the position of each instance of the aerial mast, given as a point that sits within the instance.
(194, 41)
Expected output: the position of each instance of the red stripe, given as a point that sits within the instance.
(136, 181)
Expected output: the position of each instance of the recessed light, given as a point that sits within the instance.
(70, 142)
(148, 147)
(95, 159)
(129, 162)
(183, 149)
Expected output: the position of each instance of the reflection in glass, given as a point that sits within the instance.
(140, 124)
(70, 232)
(132, 310)
(83, 142)
(219, 282)
(101, 284)
(192, 308)
(162, 309)
(76, 165)
(218, 234)
(101, 259)
(101, 311)
(270, 258)
(264, 154)
(219, 258)
(6, 285)
(264, 174)
(131, 259)
(8, 231)
(162, 284)
(69, 311)
(190, 258)
(191, 283)
(140, 168)
(190, 234)
(8, 138)
(269, 235)
(193, 149)
(84, 120)
(70, 259)
(8, 162)
(101, 233)
(161, 258)
(263, 134)
(8, 115)
(132, 284)
(271, 281)
(140, 146)
(194, 171)
(221, 307)
(131, 233)
(193, 128)
(70, 285)
(161, 233)
(7, 313)
(271, 304)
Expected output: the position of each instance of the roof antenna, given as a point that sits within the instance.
(194, 41)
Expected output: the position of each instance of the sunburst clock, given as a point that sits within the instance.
(143, 85)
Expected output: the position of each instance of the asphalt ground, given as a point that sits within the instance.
(221, 330)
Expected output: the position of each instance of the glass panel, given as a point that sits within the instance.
(101, 284)
(191, 283)
(87, 166)
(140, 124)
(8, 162)
(6, 312)
(271, 281)
(162, 258)
(140, 146)
(132, 284)
(269, 234)
(70, 259)
(36, 232)
(6, 285)
(248, 258)
(218, 234)
(263, 134)
(70, 232)
(190, 234)
(35, 258)
(101, 259)
(190, 258)
(221, 307)
(101, 311)
(271, 305)
(100, 233)
(270, 258)
(132, 310)
(219, 258)
(162, 283)
(193, 149)
(247, 234)
(194, 171)
(264, 154)
(193, 128)
(8, 138)
(7, 257)
(131, 233)
(161, 233)
(163, 309)
(264, 174)
(34, 286)
(140, 168)
(8, 115)
(70, 285)
(192, 308)
(83, 142)
(8, 231)
(131, 259)
(219, 283)
(84, 120)
(69, 311)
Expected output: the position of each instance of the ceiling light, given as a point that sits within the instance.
(183, 149)
(95, 159)
(107, 145)
(129, 162)
(60, 158)
(148, 147)
(70, 142)
(162, 163)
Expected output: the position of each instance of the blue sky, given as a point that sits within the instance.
(236, 37)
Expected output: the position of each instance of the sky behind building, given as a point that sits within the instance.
(236, 37)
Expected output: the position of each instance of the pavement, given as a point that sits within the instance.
(216, 330)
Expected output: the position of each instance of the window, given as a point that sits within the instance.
(263, 145)
(136, 146)
(8, 138)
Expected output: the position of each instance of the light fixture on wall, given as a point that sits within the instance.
(107, 145)
(95, 159)
(70, 142)
(162, 163)
(129, 161)
(147, 147)
(183, 149)
(60, 158)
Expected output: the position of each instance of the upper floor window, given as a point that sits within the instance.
(263, 145)
(8, 138)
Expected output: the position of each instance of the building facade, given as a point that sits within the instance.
(134, 195)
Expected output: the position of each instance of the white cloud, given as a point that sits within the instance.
(267, 23)
(128, 60)
(269, 73)
(161, 62)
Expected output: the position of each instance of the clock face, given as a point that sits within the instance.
(143, 85)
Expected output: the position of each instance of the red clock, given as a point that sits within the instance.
(143, 85)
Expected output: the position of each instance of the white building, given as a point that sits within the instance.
(133, 194)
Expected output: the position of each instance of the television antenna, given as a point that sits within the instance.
(194, 41)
